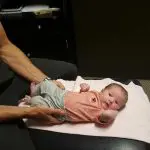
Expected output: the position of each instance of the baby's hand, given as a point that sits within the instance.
(84, 87)
(108, 116)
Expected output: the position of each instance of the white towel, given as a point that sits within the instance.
(133, 122)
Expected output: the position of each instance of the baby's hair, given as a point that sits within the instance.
(119, 86)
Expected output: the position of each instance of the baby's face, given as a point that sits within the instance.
(113, 98)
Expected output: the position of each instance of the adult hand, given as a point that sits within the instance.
(59, 84)
(46, 116)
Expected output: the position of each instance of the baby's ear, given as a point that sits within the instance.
(102, 90)
(122, 107)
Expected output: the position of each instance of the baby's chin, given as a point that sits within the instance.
(114, 107)
(106, 106)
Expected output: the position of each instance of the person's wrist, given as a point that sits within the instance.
(47, 78)
(41, 79)
(29, 112)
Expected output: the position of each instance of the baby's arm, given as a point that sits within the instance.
(84, 87)
(107, 117)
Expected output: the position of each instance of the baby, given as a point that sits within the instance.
(84, 106)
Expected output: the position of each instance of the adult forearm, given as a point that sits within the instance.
(41, 114)
(17, 60)
(14, 112)
(20, 63)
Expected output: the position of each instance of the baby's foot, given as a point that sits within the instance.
(26, 100)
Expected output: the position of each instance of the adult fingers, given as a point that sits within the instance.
(56, 112)
(53, 120)
(47, 120)
(59, 84)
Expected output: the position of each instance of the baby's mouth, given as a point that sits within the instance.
(106, 105)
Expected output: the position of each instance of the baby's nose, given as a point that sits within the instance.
(111, 100)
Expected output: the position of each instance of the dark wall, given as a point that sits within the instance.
(46, 37)
(113, 38)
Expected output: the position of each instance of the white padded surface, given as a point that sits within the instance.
(133, 122)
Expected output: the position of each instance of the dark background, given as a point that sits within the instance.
(113, 37)
(104, 38)
(54, 39)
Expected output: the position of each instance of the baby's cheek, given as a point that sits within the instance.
(105, 106)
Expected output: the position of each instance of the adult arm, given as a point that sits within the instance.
(17, 60)
(41, 114)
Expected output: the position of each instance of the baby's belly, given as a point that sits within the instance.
(76, 107)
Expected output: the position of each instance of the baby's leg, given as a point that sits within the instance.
(48, 88)
(38, 101)
(45, 87)
(43, 102)
(34, 89)
(26, 99)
